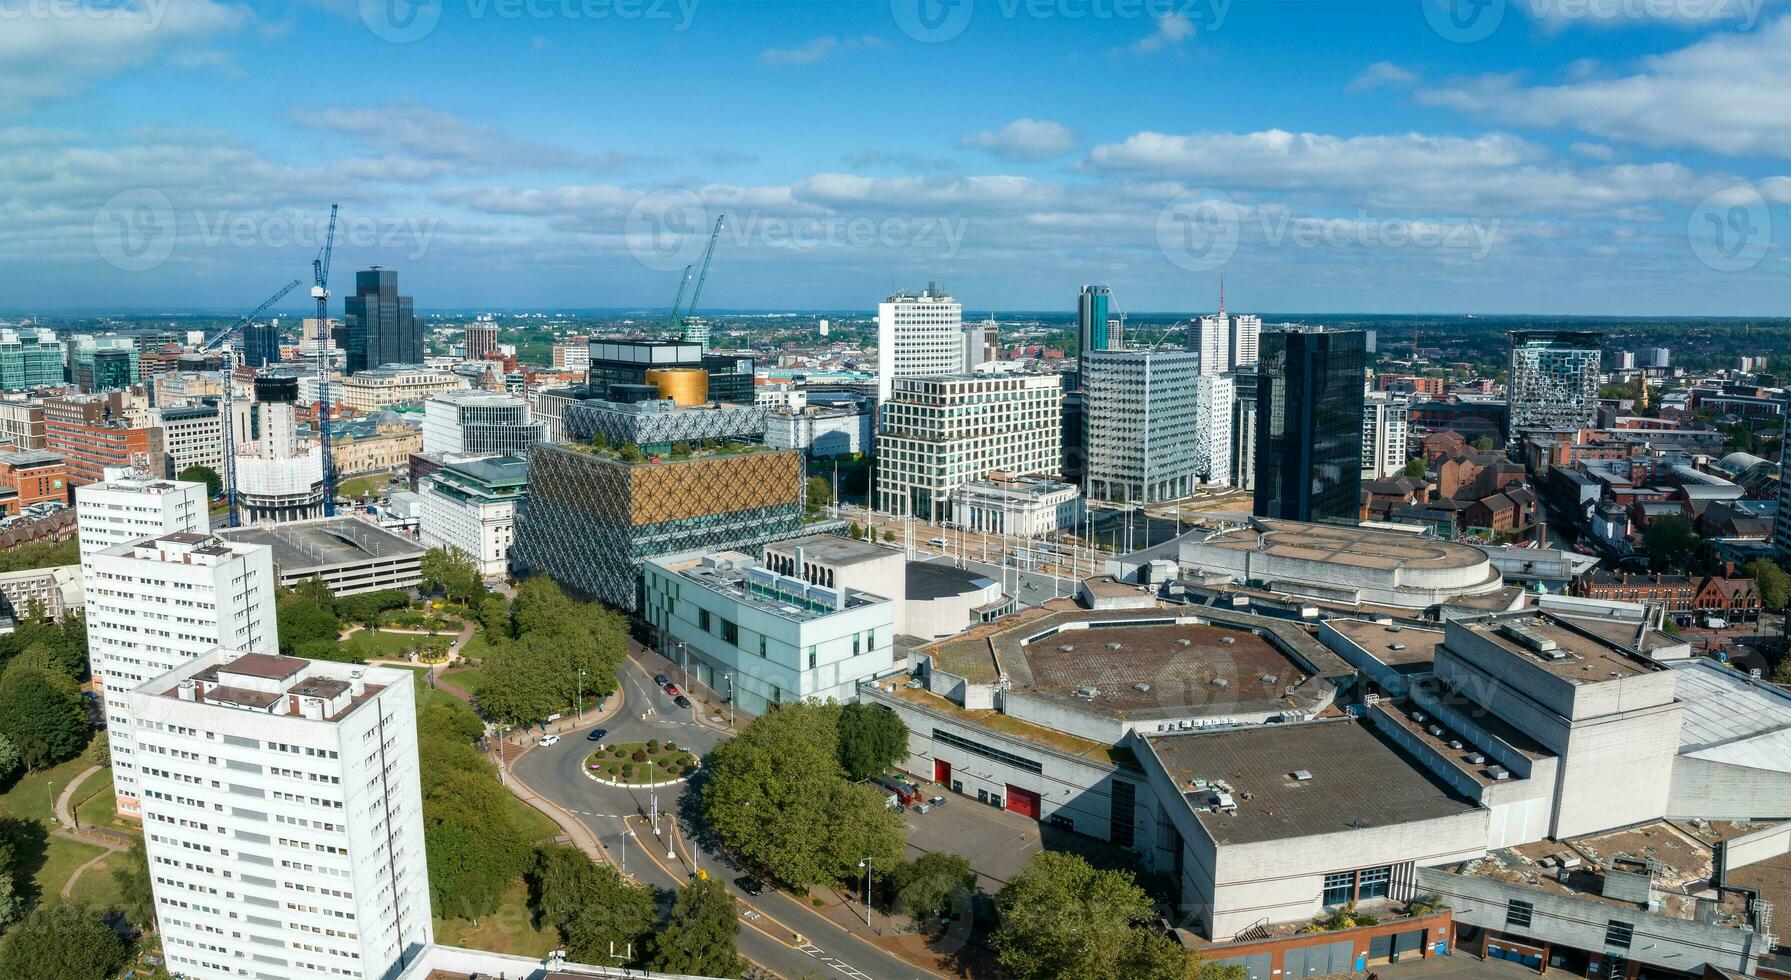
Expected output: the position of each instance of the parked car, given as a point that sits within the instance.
(596, 734)
(753, 887)
(903, 792)
(672, 689)
(661, 680)
(549, 739)
(681, 701)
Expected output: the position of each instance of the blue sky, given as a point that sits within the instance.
(1547, 156)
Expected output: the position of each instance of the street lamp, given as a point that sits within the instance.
(733, 713)
(580, 695)
(624, 839)
(684, 656)
(866, 865)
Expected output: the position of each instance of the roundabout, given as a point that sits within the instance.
(650, 763)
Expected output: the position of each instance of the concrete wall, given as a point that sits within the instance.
(1713, 790)
(1761, 845)
(1580, 922)
(1617, 772)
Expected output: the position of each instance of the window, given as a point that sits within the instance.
(703, 620)
(1619, 933)
(1517, 914)
(1340, 888)
(811, 658)
(856, 644)
(730, 632)
(1374, 883)
(762, 646)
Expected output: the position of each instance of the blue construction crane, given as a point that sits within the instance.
(227, 363)
(320, 274)
(695, 329)
(683, 284)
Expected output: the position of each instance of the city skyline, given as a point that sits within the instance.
(1542, 158)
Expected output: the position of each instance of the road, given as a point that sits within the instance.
(557, 772)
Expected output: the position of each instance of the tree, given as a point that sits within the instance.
(40, 554)
(1774, 583)
(99, 750)
(367, 607)
(11, 760)
(452, 573)
(1483, 444)
(888, 536)
(872, 738)
(214, 484)
(62, 942)
(698, 939)
(1060, 917)
(42, 715)
(494, 615)
(778, 796)
(306, 619)
(1669, 540)
(931, 885)
(1416, 469)
(136, 895)
(590, 904)
(817, 494)
(467, 871)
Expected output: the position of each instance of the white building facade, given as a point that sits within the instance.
(937, 433)
(1142, 410)
(479, 422)
(1025, 507)
(819, 431)
(128, 508)
(191, 436)
(918, 334)
(1385, 435)
(283, 817)
(159, 603)
(471, 507)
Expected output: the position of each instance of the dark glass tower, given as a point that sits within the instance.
(378, 325)
(261, 344)
(1309, 425)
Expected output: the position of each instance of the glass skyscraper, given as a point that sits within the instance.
(378, 324)
(1091, 318)
(1309, 425)
(261, 344)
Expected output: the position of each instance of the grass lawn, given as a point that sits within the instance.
(511, 930)
(96, 886)
(50, 864)
(662, 765)
(97, 808)
(534, 824)
(478, 646)
(394, 645)
(353, 488)
(467, 679)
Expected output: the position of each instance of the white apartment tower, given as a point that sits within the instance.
(937, 433)
(129, 507)
(481, 423)
(1385, 434)
(282, 813)
(157, 603)
(1214, 395)
(918, 335)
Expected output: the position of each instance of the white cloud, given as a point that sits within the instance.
(1594, 151)
(872, 159)
(1172, 29)
(816, 50)
(52, 51)
(1024, 139)
(451, 144)
(1379, 74)
(1723, 94)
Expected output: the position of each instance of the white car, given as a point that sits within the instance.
(547, 740)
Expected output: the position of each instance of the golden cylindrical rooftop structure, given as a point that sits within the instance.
(684, 386)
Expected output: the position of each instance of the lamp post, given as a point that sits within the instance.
(684, 657)
(624, 839)
(733, 713)
(866, 865)
(579, 697)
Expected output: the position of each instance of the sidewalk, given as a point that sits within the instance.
(708, 700)
(581, 836)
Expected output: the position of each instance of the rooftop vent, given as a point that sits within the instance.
(1455, 743)
(1228, 640)
(1396, 646)
(1436, 730)
(1475, 758)
(1066, 647)
(1531, 640)
(1141, 688)
(1113, 646)
(1301, 775)
(1219, 682)
(1419, 717)
(1268, 678)
(1498, 773)
(1087, 692)
(1184, 641)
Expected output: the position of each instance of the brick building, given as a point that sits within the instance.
(91, 433)
(34, 477)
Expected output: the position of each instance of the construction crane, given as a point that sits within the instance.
(320, 291)
(690, 323)
(219, 342)
(683, 284)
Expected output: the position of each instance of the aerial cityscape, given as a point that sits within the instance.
(1036, 489)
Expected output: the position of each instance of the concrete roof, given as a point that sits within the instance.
(1732, 718)
(834, 549)
(1590, 658)
(929, 580)
(325, 542)
(1351, 546)
(1359, 780)
(1418, 646)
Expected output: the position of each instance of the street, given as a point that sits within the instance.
(557, 772)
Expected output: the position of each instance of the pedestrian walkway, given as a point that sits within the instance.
(63, 808)
(709, 702)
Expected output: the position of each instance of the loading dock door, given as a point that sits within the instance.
(1022, 801)
(942, 772)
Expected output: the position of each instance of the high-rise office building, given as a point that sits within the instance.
(918, 335)
(1309, 425)
(261, 344)
(979, 344)
(1553, 381)
(1385, 427)
(1226, 341)
(481, 423)
(130, 507)
(1243, 429)
(283, 815)
(1214, 395)
(934, 434)
(1659, 358)
(479, 340)
(378, 324)
(192, 435)
(157, 603)
(277, 480)
(1140, 408)
(29, 359)
(1093, 311)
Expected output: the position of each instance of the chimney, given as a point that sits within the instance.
(801, 571)
(357, 685)
(189, 690)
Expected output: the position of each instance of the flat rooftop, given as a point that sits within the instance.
(833, 549)
(1355, 779)
(1356, 547)
(1589, 659)
(738, 577)
(1392, 644)
(322, 543)
(1732, 718)
(935, 580)
(897, 687)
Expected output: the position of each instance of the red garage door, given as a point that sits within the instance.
(1022, 801)
(942, 772)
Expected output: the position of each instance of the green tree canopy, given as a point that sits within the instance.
(817, 494)
(699, 937)
(1416, 469)
(1774, 583)
(136, 897)
(1062, 918)
(930, 885)
(214, 484)
(61, 942)
(306, 617)
(590, 904)
(40, 554)
(778, 796)
(1669, 540)
(872, 738)
(41, 713)
(11, 760)
(537, 675)
(451, 573)
(366, 607)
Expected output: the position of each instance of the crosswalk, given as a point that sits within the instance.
(833, 963)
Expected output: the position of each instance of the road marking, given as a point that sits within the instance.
(837, 964)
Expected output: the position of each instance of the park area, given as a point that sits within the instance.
(641, 763)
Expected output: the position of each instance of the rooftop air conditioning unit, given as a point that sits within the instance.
(1301, 775)
(1220, 682)
(1066, 647)
(1396, 646)
(1183, 641)
(1141, 688)
(1436, 730)
(1419, 717)
(1498, 773)
(1087, 692)
(1228, 640)
(1113, 646)
(1475, 758)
